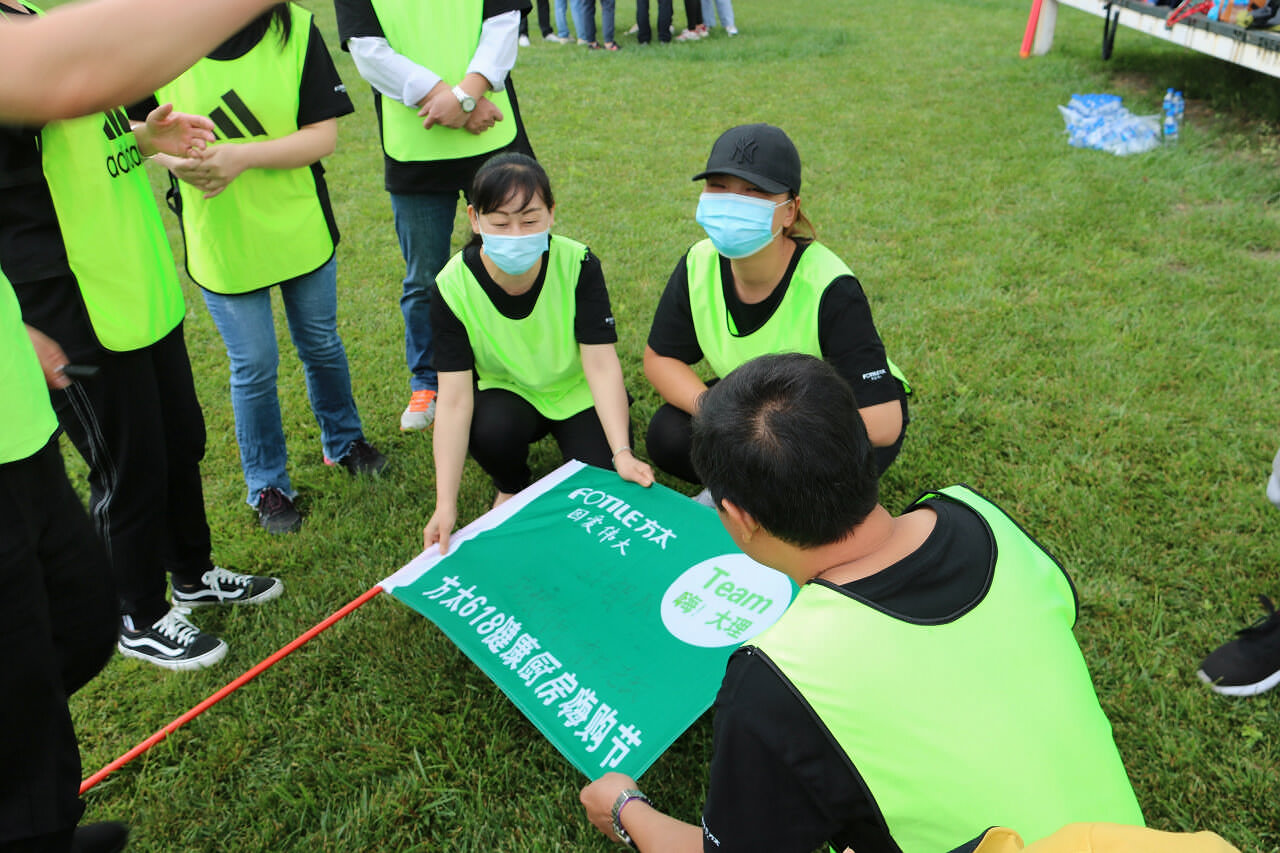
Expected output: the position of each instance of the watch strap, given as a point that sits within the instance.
(624, 797)
(464, 99)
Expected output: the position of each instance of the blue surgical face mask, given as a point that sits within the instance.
(738, 225)
(515, 253)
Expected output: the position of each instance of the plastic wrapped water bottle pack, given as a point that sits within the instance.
(1103, 123)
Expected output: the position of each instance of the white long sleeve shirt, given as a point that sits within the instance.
(401, 79)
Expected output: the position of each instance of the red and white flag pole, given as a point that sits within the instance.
(230, 688)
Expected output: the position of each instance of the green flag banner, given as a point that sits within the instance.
(605, 611)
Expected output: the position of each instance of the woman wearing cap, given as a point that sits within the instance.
(760, 283)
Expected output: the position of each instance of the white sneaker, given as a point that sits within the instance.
(555, 39)
(420, 412)
(172, 642)
(219, 586)
(524, 41)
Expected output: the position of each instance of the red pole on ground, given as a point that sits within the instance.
(1029, 36)
(230, 688)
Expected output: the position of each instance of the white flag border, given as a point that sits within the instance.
(428, 559)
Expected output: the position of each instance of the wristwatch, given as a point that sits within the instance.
(468, 103)
(626, 796)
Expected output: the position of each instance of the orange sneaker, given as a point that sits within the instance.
(420, 412)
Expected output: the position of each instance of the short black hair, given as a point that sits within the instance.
(781, 437)
(506, 176)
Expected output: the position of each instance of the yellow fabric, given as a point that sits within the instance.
(1106, 838)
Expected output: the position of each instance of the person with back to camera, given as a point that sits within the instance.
(276, 98)
(524, 346)
(111, 298)
(885, 710)
(59, 609)
(760, 283)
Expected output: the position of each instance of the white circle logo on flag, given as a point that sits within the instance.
(724, 601)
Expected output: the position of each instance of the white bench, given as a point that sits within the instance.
(1255, 49)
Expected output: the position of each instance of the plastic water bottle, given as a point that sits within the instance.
(1170, 121)
(1179, 105)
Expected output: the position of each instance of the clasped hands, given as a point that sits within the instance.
(440, 106)
(186, 138)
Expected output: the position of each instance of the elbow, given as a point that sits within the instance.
(652, 366)
(883, 423)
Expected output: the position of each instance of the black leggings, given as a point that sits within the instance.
(669, 442)
(503, 425)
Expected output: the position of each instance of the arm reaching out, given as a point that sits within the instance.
(89, 56)
(604, 376)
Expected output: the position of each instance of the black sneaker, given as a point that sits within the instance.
(172, 642)
(276, 512)
(361, 458)
(1249, 664)
(105, 837)
(219, 586)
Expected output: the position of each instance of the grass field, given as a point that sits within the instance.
(1093, 341)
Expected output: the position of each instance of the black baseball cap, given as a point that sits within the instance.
(759, 153)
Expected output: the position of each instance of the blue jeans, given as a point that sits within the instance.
(584, 16)
(248, 330)
(718, 8)
(562, 23)
(424, 225)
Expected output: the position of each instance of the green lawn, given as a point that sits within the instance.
(1092, 340)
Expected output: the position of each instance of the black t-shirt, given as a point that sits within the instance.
(321, 95)
(777, 782)
(846, 333)
(592, 319)
(357, 19)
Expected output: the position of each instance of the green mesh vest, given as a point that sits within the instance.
(268, 225)
(793, 326)
(441, 35)
(538, 357)
(28, 419)
(920, 709)
(115, 241)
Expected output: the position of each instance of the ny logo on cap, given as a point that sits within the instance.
(744, 151)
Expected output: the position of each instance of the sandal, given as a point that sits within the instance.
(594, 45)
(612, 45)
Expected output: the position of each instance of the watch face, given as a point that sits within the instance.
(468, 104)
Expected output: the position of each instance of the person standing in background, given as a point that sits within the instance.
(275, 97)
(722, 9)
(445, 104)
(696, 28)
(644, 33)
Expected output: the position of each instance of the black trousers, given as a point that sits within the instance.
(503, 425)
(545, 23)
(645, 34)
(693, 12)
(58, 622)
(139, 427)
